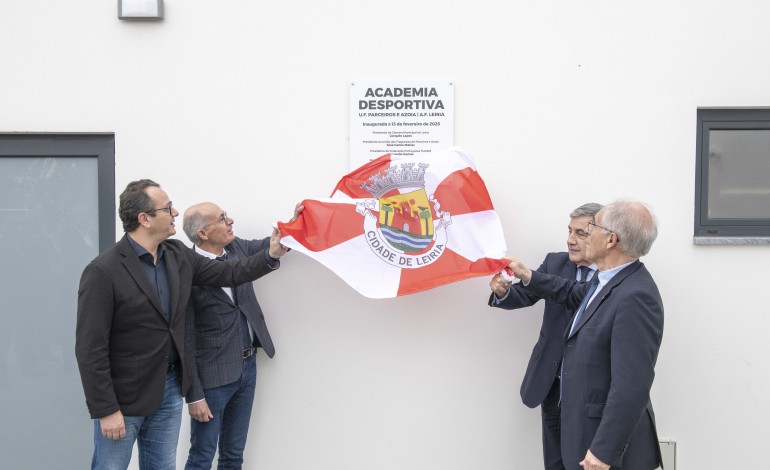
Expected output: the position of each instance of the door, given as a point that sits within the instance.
(57, 210)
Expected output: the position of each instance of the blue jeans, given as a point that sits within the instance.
(231, 406)
(157, 435)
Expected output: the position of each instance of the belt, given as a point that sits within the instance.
(174, 366)
(248, 352)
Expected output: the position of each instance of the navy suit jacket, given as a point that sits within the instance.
(218, 341)
(122, 335)
(609, 367)
(546, 355)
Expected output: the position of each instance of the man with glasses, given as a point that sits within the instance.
(611, 345)
(133, 323)
(229, 327)
(541, 380)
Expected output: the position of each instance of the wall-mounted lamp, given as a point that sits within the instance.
(140, 9)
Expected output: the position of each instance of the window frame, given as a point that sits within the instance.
(721, 231)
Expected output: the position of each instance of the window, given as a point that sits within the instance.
(732, 176)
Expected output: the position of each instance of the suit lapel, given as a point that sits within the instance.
(233, 254)
(133, 265)
(569, 271)
(592, 307)
(172, 271)
(220, 294)
(253, 312)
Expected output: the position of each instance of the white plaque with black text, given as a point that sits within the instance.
(400, 117)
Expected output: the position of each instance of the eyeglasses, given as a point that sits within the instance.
(592, 224)
(222, 218)
(168, 208)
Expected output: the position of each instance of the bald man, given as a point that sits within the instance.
(229, 330)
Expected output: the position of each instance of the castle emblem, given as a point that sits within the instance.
(402, 223)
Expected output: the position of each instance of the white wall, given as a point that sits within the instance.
(560, 102)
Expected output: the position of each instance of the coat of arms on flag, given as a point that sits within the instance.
(398, 220)
(399, 225)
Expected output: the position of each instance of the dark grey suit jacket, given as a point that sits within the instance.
(609, 367)
(122, 335)
(218, 341)
(546, 355)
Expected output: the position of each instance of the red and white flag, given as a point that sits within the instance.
(400, 225)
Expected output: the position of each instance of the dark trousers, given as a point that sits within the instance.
(551, 416)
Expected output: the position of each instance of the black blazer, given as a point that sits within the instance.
(609, 367)
(218, 342)
(546, 355)
(122, 336)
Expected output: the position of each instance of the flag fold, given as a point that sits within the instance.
(399, 225)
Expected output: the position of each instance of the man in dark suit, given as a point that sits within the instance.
(229, 327)
(541, 380)
(611, 344)
(133, 327)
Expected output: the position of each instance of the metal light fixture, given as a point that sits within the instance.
(140, 9)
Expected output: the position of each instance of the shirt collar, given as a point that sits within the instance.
(205, 253)
(606, 276)
(591, 271)
(140, 251)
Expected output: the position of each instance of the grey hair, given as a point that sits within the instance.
(193, 220)
(590, 209)
(634, 224)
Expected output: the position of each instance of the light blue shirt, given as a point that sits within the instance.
(604, 278)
